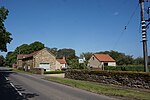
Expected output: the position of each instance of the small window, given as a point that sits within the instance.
(93, 58)
(105, 64)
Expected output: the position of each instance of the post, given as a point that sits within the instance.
(144, 37)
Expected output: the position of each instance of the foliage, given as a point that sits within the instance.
(68, 53)
(35, 46)
(87, 55)
(70, 56)
(73, 63)
(23, 49)
(54, 72)
(5, 37)
(138, 68)
(121, 58)
(138, 61)
(103, 88)
(2, 60)
(148, 60)
(53, 50)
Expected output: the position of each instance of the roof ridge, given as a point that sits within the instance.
(104, 57)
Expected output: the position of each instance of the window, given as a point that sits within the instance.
(105, 64)
(93, 58)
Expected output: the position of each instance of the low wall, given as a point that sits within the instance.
(131, 79)
(37, 71)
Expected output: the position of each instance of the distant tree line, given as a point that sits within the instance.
(11, 56)
(69, 54)
(120, 58)
(71, 58)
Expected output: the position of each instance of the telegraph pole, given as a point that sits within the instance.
(144, 36)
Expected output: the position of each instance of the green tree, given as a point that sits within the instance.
(148, 60)
(11, 57)
(36, 46)
(23, 49)
(2, 60)
(87, 55)
(68, 53)
(5, 37)
(53, 50)
(138, 61)
(121, 58)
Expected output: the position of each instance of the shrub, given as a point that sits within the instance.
(126, 68)
(124, 78)
(54, 72)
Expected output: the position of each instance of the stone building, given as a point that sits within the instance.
(99, 61)
(40, 59)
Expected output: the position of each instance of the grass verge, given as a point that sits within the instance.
(21, 71)
(102, 88)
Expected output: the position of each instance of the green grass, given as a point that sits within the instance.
(21, 71)
(103, 89)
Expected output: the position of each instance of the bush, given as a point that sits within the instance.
(126, 68)
(54, 72)
(37, 70)
(124, 78)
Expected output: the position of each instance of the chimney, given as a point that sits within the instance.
(64, 58)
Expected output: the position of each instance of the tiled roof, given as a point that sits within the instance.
(62, 61)
(24, 56)
(104, 58)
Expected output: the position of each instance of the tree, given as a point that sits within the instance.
(148, 60)
(68, 53)
(53, 50)
(5, 37)
(36, 46)
(23, 49)
(138, 61)
(2, 60)
(121, 58)
(87, 55)
(11, 57)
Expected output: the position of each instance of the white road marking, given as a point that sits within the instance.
(16, 89)
(13, 86)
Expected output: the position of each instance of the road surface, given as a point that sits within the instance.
(32, 87)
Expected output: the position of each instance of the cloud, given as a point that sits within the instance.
(116, 13)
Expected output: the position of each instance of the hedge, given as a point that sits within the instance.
(126, 68)
(54, 72)
(125, 78)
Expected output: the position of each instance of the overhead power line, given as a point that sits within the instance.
(126, 26)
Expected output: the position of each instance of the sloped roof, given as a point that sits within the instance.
(61, 61)
(104, 58)
(24, 56)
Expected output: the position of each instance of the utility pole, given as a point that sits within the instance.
(144, 36)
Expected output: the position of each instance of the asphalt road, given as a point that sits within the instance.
(32, 87)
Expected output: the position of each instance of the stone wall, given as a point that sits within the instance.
(44, 56)
(130, 79)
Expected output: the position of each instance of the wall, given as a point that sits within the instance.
(19, 63)
(94, 63)
(58, 65)
(130, 79)
(44, 56)
(111, 63)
